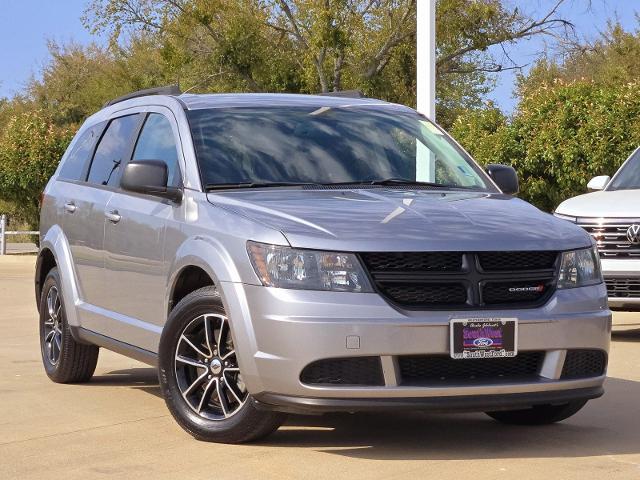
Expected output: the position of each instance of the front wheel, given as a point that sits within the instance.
(538, 414)
(200, 377)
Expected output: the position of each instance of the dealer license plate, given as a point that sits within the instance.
(484, 337)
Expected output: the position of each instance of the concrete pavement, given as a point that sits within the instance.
(117, 426)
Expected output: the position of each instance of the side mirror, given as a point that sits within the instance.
(598, 183)
(149, 177)
(505, 177)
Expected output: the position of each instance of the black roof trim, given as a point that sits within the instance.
(343, 93)
(167, 90)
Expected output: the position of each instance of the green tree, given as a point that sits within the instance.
(312, 45)
(612, 59)
(253, 45)
(576, 118)
(31, 146)
(560, 136)
(78, 80)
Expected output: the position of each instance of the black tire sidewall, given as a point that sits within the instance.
(233, 429)
(52, 279)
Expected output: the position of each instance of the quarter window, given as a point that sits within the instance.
(112, 150)
(156, 142)
(74, 165)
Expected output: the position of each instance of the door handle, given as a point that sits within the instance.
(70, 207)
(113, 216)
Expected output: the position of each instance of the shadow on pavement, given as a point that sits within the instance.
(626, 336)
(132, 377)
(606, 426)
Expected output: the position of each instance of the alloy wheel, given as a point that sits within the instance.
(207, 370)
(52, 338)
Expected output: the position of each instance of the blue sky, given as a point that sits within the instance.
(26, 25)
(589, 22)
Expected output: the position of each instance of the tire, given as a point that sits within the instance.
(64, 359)
(539, 414)
(200, 378)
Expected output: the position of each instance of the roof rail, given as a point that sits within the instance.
(168, 90)
(343, 93)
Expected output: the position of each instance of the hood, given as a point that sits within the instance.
(384, 219)
(614, 203)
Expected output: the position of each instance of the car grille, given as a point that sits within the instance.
(457, 280)
(433, 294)
(429, 369)
(584, 364)
(344, 371)
(611, 237)
(505, 261)
(623, 287)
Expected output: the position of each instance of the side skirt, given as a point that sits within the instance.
(87, 336)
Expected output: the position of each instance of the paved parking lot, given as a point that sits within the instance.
(117, 426)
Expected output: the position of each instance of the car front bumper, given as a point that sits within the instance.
(623, 279)
(278, 332)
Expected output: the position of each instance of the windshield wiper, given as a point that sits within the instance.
(385, 181)
(395, 181)
(406, 181)
(227, 186)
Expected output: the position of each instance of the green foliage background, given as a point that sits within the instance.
(575, 120)
(31, 146)
(576, 117)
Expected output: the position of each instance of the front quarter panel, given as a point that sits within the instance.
(55, 241)
(214, 240)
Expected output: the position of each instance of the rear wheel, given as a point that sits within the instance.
(64, 359)
(538, 414)
(200, 377)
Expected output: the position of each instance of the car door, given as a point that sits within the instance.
(85, 203)
(136, 269)
(82, 229)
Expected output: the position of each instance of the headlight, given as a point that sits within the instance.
(286, 267)
(580, 268)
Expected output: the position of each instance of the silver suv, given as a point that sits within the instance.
(293, 253)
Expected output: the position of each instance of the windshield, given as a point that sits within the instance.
(302, 145)
(628, 177)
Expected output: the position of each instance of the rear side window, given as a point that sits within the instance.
(156, 142)
(113, 148)
(74, 166)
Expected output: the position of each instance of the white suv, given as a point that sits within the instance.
(611, 214)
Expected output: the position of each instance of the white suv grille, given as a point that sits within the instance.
(611, 236)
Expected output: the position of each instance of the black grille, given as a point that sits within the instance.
(344, 371)
(414, 261)
(611, 237)
(505, 261)
(433, 294)
(430, 369)
(458, 280)
(583, 364)
(623, 287)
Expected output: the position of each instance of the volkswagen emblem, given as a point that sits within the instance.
(633, 233)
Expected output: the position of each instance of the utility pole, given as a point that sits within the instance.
(426, 57)
(426, 82)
